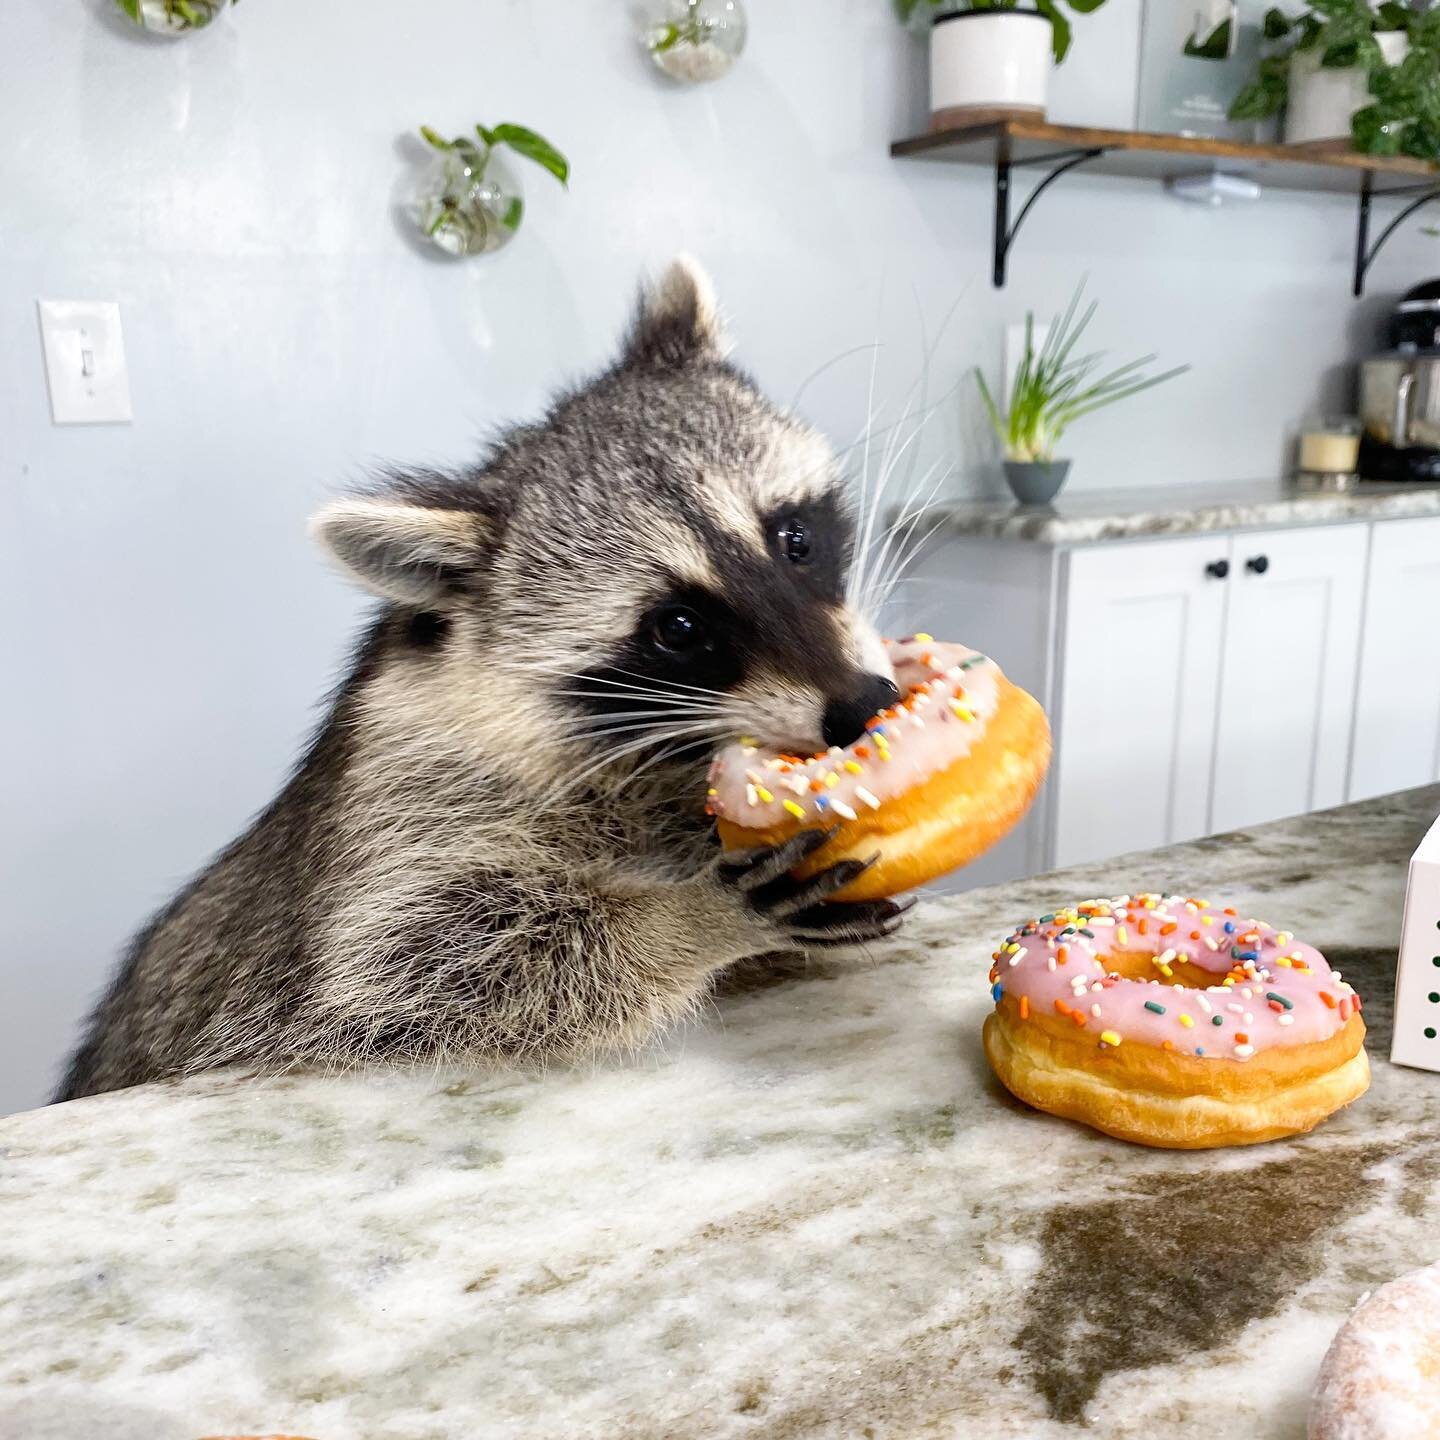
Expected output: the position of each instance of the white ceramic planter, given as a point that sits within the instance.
(986, 64)
(1322, 101)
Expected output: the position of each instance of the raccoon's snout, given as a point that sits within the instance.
(845, 717)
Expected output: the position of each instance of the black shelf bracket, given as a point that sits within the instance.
(1005, 232)
(1365, 251)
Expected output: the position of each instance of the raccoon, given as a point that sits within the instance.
(495, 847)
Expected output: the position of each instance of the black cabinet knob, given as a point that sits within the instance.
(1258, 564)
(1218, 569)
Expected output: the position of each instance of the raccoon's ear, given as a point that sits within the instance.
(416, 554)
(677, 320)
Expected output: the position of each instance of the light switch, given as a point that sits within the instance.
(85, 362)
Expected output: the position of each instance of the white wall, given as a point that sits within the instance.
(167, 631)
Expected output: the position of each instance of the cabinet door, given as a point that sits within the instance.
(1287, 684)
(1136, 725)
(1397, 712)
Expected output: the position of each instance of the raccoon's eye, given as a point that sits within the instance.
(795, 541)
(678, 628)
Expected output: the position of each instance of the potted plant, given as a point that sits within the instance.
(172, 18)
(1323, 62)
(1053, 388)
(470, 202)
(990, 59)
(694, 40)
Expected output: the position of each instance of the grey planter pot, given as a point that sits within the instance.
(1036, 482)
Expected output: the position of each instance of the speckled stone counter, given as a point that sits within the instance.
(1081, 517)
(812, 1214)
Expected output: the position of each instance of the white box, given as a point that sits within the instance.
(1417, 980)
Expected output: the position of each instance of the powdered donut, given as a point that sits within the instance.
(936, 779)
(1171, 1022)
(1380, 1379)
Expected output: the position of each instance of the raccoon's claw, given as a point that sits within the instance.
(848, 923)
(800, 907)
(748, 870)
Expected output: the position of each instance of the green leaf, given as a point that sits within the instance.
(1215, 46)
(533, 147)
(1371, 132)
(437, 140)
(1392, 16)
(132, 9)
(1276, 25)
(1258, 100)
(1342, 56)
(488, 136)
(1060, 32)
(514, 213)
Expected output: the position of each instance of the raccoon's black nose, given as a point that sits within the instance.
(845, 718)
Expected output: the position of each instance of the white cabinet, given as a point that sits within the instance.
(1206, 684)
(1397, 712)
(1135, 722)
(1287, 680)
(1202, 683)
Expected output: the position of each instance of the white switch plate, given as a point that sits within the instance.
(85, 362)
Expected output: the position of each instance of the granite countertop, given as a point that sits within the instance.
(812, 1214)
(1081, 517)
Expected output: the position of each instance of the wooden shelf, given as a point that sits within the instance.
(1053, 150)
(1161, 157)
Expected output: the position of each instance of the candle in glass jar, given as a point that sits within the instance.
(1330, 450)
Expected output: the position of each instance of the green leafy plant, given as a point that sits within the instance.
(1061, 31)
(469, 213)
(1343, 31)
(179, 14)
(1405, 116)
(1054, 387)
(694, 29)
(522, 141)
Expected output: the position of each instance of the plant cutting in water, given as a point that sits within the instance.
(471, 207)
(1061, 31)
(1054, 387)
(1405, 116)
(696, 40)
(172, 16)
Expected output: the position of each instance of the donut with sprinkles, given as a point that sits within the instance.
(1169, 1021)
(936, 779)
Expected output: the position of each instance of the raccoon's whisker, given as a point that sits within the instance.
(613, 754)
(819, 370)
(667, 687)
(895, 539)
(862, 583)
(869, 426)
(598, 728)
(881, 550)
(647, 711)
(913, 551)
(637, 694)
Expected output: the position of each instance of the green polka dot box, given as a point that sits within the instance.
(1417, 982)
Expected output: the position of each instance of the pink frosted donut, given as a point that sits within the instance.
(1166, 1020)
(1380, 1379)
(936, 779)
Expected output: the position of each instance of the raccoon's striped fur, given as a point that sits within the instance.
(495, 846)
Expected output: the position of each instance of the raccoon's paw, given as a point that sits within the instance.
(799, 909)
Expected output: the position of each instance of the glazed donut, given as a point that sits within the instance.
(1166, 1021)
(1380, 1379)
(937, 778)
